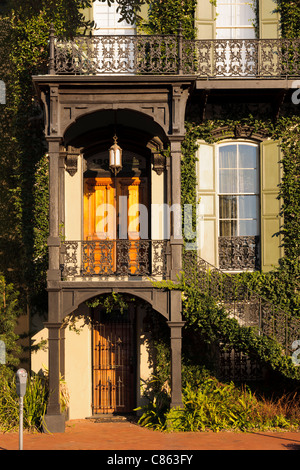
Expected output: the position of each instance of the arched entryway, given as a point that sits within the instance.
(107, 347)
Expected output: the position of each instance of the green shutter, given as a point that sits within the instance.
(208, 200)
(205, 20)
(87, 13)
(268, 19)
(270, 177)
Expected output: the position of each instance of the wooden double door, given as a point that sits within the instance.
(111, 207)
(114, 364)
(115, 209)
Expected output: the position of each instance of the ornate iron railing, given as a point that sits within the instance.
(226, 58)
(242, 303)
(105, 258)
(239, 253)
(117, 55)
(242, 58)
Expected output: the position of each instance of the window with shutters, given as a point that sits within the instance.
(237, 186)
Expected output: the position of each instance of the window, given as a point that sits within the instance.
(235, 19)
(238, 205)
(107, 20)
(238, 188)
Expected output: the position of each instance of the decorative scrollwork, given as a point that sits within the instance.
(104, 258)
(218, 58)
(230, 58)
(117, 54)
(239, 253)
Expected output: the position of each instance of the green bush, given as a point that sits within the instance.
(215, 407)
(35, 402)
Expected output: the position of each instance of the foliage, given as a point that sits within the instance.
(110, 302)
(203, 315)
(24, 36)
(289, 18)
(215, 406)
(168, 16)
(9, 313)
(158, 405)
(34, 404)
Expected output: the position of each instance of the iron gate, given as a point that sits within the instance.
(114, 362)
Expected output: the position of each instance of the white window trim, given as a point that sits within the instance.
(236, 142)
(217, 145)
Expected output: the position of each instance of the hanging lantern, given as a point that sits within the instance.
(115, 157)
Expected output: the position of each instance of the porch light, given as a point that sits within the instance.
(115, 157)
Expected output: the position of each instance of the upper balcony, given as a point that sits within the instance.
(174, 55)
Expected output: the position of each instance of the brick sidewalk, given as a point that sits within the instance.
(87, 435)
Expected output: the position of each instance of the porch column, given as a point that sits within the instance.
(54, 273)
(176, 382)
(176, 241)
(54, 420)
(176, 325)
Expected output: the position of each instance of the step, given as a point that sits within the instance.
(111, 418)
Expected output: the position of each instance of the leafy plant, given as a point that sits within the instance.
(216, 406)
(154, 412)
(9, 313)
(35, 402)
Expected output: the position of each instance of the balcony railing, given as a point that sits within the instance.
(239, 253)
(242, 302)
(165, 55)
(117, 258)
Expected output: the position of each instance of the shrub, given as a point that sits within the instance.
(216, 406)
(35, 402)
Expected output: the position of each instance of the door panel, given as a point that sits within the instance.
(104, 214)
(113, 362)
(99, 224)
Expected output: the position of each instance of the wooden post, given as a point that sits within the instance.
(52, 51)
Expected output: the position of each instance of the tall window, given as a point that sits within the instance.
(235, 19)
(238, 205)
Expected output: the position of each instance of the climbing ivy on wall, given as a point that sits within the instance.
(167, 16)
(289, 18)
(24, 51)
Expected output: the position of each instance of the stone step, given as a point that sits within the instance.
(111, 418)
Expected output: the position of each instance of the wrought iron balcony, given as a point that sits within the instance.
(239, 253)
(163, 55)
(118, 258)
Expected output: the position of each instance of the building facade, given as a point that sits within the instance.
(115, 109)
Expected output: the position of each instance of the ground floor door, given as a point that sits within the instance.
(114, 364)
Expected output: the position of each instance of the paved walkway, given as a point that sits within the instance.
(87, 435)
